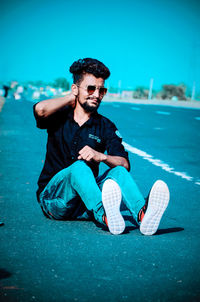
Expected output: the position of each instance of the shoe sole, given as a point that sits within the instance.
(157, 204)
(111, 199)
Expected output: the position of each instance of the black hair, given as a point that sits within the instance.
(88, 65)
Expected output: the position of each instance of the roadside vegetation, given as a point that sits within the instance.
(60, 86)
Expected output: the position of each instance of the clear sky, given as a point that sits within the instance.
(137, 40)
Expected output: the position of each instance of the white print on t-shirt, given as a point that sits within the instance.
(95, 137)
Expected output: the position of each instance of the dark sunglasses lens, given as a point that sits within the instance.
(102, 91)
(91, 89)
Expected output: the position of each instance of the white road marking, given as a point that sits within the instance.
(158, 162)
(197, 118)
(135, 108)
(163, 112)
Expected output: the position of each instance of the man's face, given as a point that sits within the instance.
(90, 102)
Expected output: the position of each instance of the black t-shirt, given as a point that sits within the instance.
(66, 138)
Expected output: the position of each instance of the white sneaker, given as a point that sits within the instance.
(157, 203)
(111, 199)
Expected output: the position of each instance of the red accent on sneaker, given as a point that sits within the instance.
(104, 218)
(142, 216)
(142, 213)
(106, 221)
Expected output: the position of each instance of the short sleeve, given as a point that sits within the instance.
(113, 141)
(51, 121)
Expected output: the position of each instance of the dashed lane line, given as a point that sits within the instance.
(158, 163)
(158, 128)
(135, 108)
(163, 112)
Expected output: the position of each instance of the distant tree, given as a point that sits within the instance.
(168, 91)
(39, 83)
(49, 83)
(140, 92)
(197, 97)
(113, 90)
(61, 83)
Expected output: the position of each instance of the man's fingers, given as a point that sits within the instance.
(84, 149)
(86, 155)
(89, 157)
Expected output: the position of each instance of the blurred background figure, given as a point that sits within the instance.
(6, 89)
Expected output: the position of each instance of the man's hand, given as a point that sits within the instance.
(88, 154)
(72, 100)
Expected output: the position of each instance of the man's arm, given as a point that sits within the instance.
(88, 154)
(113, 161)
(47, 107)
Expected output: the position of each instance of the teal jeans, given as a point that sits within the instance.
(74, 193)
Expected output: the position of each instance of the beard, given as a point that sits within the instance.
(88, 108)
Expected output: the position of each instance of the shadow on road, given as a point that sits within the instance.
(4, 274)
(128, 229)
(169, 230)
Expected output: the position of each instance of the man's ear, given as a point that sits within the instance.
(74, 89)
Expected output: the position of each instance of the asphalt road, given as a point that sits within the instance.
(45, 260)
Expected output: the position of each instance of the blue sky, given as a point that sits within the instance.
(137, 40)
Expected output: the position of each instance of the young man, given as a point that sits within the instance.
(69, 185)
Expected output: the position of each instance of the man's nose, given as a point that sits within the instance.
(96, 93)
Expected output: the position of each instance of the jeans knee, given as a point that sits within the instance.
(79, 169)
(121, 170)
(119, 173)
(78, 166)
(75, 169)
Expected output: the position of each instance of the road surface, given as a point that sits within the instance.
(45, 260)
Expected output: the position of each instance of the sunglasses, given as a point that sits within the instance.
(91, 89)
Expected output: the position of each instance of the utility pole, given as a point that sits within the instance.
(150, 89)
(193, 91)
(119, 87)
(194, 66)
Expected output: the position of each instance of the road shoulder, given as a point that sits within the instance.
(182, 104)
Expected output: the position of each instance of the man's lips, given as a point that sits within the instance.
(96, 101)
